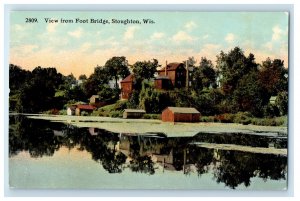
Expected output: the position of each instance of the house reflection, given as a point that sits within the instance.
(94, 131)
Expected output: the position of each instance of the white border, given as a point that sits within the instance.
(164, 7)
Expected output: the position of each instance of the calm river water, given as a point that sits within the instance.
(43, 154)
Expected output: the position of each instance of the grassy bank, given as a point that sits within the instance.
(245, 119)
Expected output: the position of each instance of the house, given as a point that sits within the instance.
(94, 131)
(71, 110)
(84, 108)
(180, 114)
(133, 113)
(176, 72)
(127, 86)
(94, 99)
(163, 82)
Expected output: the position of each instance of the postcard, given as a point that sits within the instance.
(148, 100)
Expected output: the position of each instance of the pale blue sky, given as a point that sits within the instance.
(175, 36)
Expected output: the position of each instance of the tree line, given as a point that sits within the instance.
(236, 83)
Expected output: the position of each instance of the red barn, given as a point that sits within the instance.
(176, 72)
(127, 86)
(180, 114)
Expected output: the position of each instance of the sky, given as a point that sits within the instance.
(173, 37)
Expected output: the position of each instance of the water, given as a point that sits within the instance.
(44, 154)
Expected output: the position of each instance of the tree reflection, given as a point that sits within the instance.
(32, 136)
(236, 167)
(144, 153)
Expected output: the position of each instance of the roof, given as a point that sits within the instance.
(183, 110)
(95, 96)
(171, 66)
(134, 110)
(86, 107)
(129, 78)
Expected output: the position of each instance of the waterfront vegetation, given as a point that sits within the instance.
(234, 90)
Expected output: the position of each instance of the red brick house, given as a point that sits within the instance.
(127, 87)
(176, 72)
(162, 82)
(180, 114)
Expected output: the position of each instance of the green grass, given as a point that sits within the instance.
(112, 110)
(245, 119)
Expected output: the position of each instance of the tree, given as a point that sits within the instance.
(273, 76)
(282, 102)
(82, 77)
(144, 70)
(96, 81)
(249, 95)
(17, 78)
(37, 93)
(204, 75)
(117, 68)
(232, 67)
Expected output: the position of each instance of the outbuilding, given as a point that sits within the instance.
(84, 108)
(133, 113)
(180, 114)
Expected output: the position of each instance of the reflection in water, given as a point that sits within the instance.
(145, 153)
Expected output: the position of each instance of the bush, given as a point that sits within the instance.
(226, 118)
(242, 118)
(84, 113)
(209, 119)
(277, 121)
(116, 114)
(151, 116)
(63, 112)
(271, 110)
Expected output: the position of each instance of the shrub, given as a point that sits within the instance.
(84, 113)
(151, 116)
(208, 119)
(63, 112)
(116, 114)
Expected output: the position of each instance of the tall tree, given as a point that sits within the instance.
(233, 66)
(97, 80)
(273, 76)
(204, 75)
(144, 69)
(117, 68)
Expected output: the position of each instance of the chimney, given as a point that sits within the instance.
(166, 68)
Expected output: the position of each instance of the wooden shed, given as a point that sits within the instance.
(133, 113)
(180, 114)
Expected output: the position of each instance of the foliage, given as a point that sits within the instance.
(112, 110)
(249, 95)
(96, 81)
(282, 102)
(108, 95)
(144, 70)
(245, 118)
(204, 76)
(117, 68)
(133, 101)
(232, 67)
(151, 116)
(153, 101)
(273, 76)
